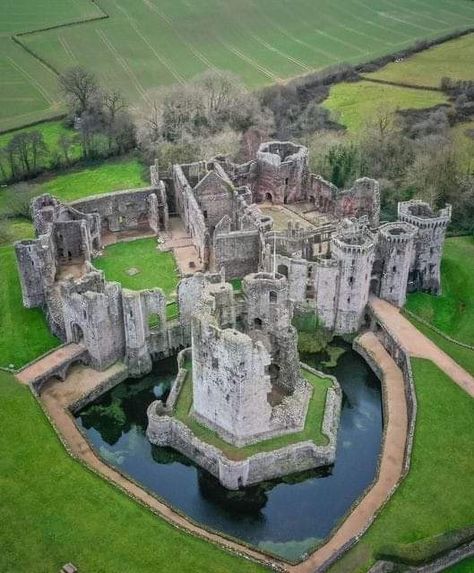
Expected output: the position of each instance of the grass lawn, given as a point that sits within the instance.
(463, 356)
(24, 333)
(438, 493)
(453, 311)
(312, 430)
(354, 104)
(57, 511)
(453, 59)
(156, 269)
(111, 175)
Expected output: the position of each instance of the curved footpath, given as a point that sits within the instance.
(58, 396)
(417, 344)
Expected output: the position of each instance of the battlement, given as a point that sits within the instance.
(420, 214)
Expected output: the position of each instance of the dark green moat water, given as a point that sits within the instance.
(287, 517)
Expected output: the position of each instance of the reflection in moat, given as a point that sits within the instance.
(287, 516)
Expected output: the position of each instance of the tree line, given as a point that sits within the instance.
(411, 153)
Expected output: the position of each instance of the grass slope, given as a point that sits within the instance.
(438, 493)
(24, 333)
(354, 104)
(453, 311)
(57, 511)
(264, 41)
(156, 269)
(105, 177)
(453, 59)
(312, 430)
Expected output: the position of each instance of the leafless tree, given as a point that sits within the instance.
(80, 87)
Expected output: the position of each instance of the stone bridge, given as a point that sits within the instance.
(53, 365)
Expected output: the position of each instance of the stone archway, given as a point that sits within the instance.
(77, 333)
(269, 197)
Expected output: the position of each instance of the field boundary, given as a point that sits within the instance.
(401, 85)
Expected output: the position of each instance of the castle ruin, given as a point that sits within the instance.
(295, 240)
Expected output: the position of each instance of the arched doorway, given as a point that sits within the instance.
(77, 333)
(269, 197)
(283, 270)
(375, 286)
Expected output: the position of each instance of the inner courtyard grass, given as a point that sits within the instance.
(438, 493)
(453, 311)
(354, 104)
(24, 333)
(312, 430)
(156, 268)
(54, 510)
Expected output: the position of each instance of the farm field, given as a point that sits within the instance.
(440, 463)
(454, 59)
(354, 104)
(149, 43)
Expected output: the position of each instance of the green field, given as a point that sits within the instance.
(454, 59)
(438, 493)
(156, 269)
(148, 43)
(453, 311)
(57, 511)
(355, 104)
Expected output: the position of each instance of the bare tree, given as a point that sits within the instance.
(80, 88)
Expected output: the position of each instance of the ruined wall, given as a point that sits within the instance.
(36, 268)
(363, 199)
(93, 316)
(326, 289)
(282, 172)
(134, 209)
(425, 268)
(236, 251)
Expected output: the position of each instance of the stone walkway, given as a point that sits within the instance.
(391, 466)
(178, 240)
(418, 345)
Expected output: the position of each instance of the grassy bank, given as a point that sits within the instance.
(57, 511)
(453, 311)
(95, 179)
(438, 493)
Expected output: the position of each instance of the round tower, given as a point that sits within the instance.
(282, 172)
(393, 259)
(425, 268)
(354, 248)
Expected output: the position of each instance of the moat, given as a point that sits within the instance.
(286, 517)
